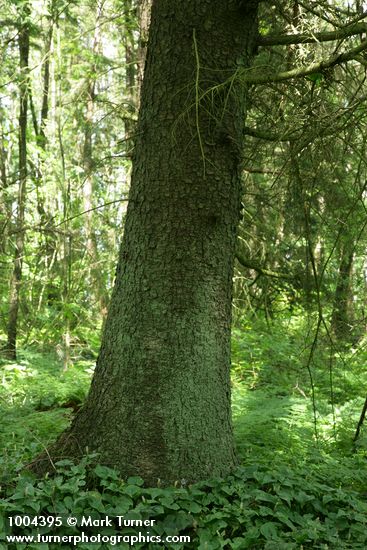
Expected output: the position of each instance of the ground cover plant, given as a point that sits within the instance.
(290, 489)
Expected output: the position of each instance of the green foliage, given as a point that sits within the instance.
(292, 492)
(66, 144)
(271, 378)
(256, 507)
(36, 399)
(317, 78)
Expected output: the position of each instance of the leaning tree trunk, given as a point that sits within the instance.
(159, 405)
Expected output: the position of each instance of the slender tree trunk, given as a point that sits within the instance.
(159, 404)
(299, 223)
(94, 271)
(144, 10)
(15, 283)
(341, 319)
(65, 355)
(50, 240)
(66, 246)
(5, 211)
(46, 78)
(132, 67)
(64, 260)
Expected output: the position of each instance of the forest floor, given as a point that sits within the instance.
(302, 482)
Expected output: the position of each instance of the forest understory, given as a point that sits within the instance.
(301, 481)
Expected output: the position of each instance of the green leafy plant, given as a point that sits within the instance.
(256, 507)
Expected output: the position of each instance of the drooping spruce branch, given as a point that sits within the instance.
(268, 136)
(262, 270)
(323, 127)
(332, 61)
(307, 38)
(91, 210)
(258, 170)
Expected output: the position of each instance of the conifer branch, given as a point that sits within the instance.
(307, 38)
(336, 59)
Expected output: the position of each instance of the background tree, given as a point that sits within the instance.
(57, 302)
(23, 26)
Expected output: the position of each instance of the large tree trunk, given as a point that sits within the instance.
(159, 404)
